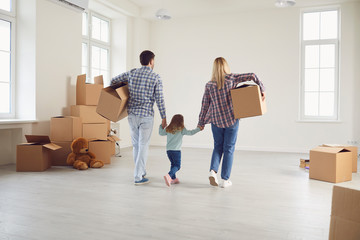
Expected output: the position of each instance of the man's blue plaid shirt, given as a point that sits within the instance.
(145, 87)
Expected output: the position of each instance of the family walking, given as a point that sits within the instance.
(145, 88)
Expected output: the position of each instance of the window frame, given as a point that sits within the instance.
(90, 42)
(11, 17)
(303, 43)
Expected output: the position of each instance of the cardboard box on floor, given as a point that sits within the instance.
(352, 149)
(66, 128)
(247, 101)
(330, 164)
(86, 93)
(58, 157)
(87, 114)
(95, 131)
(113, 101)
(34, 156)
(103, 150)
(345, 214)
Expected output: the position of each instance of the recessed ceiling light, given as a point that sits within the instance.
(162, 14)
(285, 3)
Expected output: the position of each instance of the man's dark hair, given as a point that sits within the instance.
(146, 56)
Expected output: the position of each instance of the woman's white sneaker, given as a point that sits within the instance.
(213, 178)
(225, 183)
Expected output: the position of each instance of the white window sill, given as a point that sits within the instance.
(16, 121)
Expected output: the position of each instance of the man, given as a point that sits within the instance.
(145, 87)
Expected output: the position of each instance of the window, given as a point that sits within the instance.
(96, 46)
(7, 46)
(320, 65)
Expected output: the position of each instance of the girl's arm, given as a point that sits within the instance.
(190, 132)
(204, 107)
(244, 77)
(162, 131)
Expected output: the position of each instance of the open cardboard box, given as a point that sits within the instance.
(103, 149)
(352, 149)
(330, 164)
(34, 156)
(345, 214)
(113, 101)
(87, 93)
(247, 100)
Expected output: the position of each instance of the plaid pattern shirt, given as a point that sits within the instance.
(145, 87)
(217, 106)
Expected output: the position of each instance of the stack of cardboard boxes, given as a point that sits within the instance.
(42, 152)
(84, 122)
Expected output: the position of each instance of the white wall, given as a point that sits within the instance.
(48, 58)
(58, 61)
(264, 42)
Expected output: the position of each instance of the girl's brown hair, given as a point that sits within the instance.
(176, 124)
(220, 69)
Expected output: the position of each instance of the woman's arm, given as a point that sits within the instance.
(204, 107)
(190, 132)
(244, 77)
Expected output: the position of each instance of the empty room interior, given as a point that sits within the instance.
(71, 157)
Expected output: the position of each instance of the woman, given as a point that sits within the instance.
(217, 109)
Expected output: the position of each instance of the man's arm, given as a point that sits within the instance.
(124, 77)
(159, 98)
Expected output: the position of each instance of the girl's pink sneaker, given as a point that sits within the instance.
(175, 181)
(167, 180)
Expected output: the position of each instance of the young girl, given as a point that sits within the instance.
(175, 132)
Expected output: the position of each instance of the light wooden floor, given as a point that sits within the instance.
(271, 198)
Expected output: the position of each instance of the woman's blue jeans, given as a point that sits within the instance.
(224, 146)
(175, 159)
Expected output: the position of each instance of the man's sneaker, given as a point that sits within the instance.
(226, 183)
(142, 181)
(175, 181)
(213, 178)
(167, 180)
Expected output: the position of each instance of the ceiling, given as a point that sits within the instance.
(186, 8)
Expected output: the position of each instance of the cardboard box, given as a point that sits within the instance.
(352, 149)
(95, 131)
(58, 158)
(86, 93)
(330, 164)
(345, 214)
(87, 114)
(65, 128)
(247, 101)
(34, 156)
(102, 150)
(113, 102)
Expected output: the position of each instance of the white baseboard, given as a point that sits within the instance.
(242, 148)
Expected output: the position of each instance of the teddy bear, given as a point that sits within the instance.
(80, 157)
